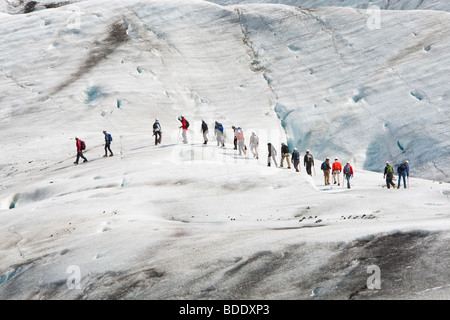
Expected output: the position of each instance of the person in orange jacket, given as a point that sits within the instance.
(336, 170)
(241, 142)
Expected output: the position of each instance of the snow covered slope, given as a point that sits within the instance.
(195, 221)
(344, 89)
(321, 70)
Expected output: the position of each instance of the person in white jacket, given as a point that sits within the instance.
(272, 154)
(254, 144)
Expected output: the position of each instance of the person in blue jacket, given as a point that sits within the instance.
(403, 172)
(218, 128)
(108, 140)
(296, 159)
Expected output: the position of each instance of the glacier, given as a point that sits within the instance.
(199, 222)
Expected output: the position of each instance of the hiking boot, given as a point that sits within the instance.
(84, 161)
(111, 155)
(105, 156)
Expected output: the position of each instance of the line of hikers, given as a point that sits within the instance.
(81, 146)
(403, 172)
(334, 169)
(308, 162)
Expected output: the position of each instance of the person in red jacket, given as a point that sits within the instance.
(336, 170)
(79, 151)
(348, 173)
(184, 127)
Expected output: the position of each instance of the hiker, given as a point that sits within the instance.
(235, 132)
(243, 143)
(219, 134)
(272, 154)
(326, 168)
(403, 172)
(80, 147)
(285, 154)
(108, 140)
(205, 132)
(240, 142)
(336, 170)
(348, 173)
(184, 127)
(308, 162)
(389, 175)
(157, 132)
(296, 159)
(254, 143)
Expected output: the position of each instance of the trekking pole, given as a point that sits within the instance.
(407, 181)
(179, 130)
(314, 168)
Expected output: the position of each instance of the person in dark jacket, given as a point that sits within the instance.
(308, 162)
(108, 140)
(389, 175)
(157, 132)
(296, 159)
(79, 151)
(235, 140)
(403, 172)
(205, 132)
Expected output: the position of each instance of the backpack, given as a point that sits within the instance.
(389, 169)
(108, 137)
(220, 127)
(83, 145)
(324, 166)
(309, 158)
(187, 123)
(347, 169)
